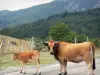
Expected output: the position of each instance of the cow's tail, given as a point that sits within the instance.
(93, 56)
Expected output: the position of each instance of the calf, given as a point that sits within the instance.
(25, 57)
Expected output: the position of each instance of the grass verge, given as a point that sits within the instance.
(45, 58)
(7, 60)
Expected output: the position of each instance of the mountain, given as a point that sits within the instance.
(83, 22)
(79, 5)
(32, 14)
(97, 5)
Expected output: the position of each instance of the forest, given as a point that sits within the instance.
(82, 23)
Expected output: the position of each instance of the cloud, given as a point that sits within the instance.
(20, 4)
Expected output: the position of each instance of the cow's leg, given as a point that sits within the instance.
(61, 69)
(87, 60)
(89, 68)
(64, 67)
(92, 67)
(38, 67)
(23, 68)
(90, 62)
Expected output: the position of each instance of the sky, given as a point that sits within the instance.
(13, 5)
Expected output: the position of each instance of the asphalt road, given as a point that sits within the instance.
(73, 69)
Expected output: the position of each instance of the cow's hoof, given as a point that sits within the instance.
(92, 74)
(65, 73)
(24, 73)
(60, 74)
(39, 73)
(35, 74)
(20, 71)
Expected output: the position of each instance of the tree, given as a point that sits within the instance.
(96, 41)
(82, 38)
(61, 32)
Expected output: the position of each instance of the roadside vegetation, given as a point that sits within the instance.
(45, 58)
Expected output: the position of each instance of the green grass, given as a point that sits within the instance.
(97, 53)
(7, 60)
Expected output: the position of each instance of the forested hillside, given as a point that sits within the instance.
(86, 22)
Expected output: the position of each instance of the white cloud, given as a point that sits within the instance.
(20, 4)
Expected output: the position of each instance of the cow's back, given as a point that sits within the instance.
(22, 57)
(27, 56)
(34, 54)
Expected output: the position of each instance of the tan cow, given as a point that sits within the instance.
(64, 51)
(25, 57)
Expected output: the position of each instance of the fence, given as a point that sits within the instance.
(11, 45)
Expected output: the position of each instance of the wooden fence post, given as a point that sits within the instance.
(75, 40)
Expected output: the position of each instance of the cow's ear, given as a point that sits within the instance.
(45, 43)
(56, 42)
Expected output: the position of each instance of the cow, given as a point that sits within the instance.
(25, 57)
(73, 52)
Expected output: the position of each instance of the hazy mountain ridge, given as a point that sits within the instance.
(83, 22)
(14, 18)
(97, 5)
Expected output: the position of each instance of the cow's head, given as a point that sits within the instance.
(51, 44)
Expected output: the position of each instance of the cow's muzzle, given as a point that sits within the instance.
(52, 53)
